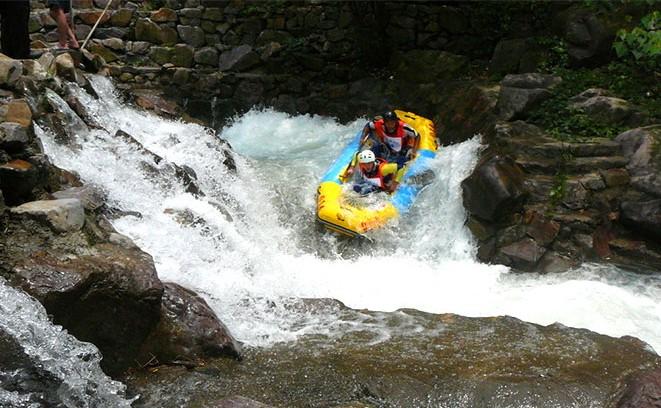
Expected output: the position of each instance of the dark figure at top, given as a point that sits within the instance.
(15, 34)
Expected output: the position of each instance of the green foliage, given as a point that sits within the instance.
(556, 56)
(568, 124)
(150, 5)
(641, 45)
(559, 190)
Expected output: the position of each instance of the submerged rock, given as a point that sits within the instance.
(424, 360)
(642, 390)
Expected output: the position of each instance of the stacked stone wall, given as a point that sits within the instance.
(226, 56)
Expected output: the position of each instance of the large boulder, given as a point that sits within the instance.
(642, 146)
(589, 37)
(108, 295)
(464, 110)
(521, 93)
(643, 215)
(494, 189)
(515, 56)
(62, 215)
(188, 331)
(601, 107)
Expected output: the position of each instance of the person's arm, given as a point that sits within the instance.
(412, 141)
(396, 172)
(346, 174)
(367, 131)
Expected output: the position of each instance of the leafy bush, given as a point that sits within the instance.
(569, 124)
(643, 43)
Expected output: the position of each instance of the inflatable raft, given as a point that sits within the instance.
(344, 216)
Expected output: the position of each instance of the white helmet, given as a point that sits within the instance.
(366, 156)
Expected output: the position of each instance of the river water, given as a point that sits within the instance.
(256, 251)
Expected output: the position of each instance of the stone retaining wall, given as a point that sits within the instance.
(226, 56)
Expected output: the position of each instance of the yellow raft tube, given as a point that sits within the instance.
(337, 215)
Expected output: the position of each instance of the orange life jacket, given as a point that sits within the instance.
(377, 178)
(396, 140)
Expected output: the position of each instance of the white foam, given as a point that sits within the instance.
(250, 267)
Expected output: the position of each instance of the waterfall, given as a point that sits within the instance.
(49, 367)
(254, 251)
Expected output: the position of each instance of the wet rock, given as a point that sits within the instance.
(641, 390)
(494, 189)
(515, 56)
(10, 70)
(237, 401)
(188, 331)
(18, 179)
(643, 215)
(428, 360)
(65, 66)
(184, 174)
(105, 294)
(606, 109)
(121, 240)
(524, 254)
(63, 215)
(636, 251)
(92, 198)
(467, 110)
(642, 147)
(152, 100)
(552, 262)
(35, 70)
(239, 59)
(13, 136)
(523, 92)
(541, 229)
(18, 111)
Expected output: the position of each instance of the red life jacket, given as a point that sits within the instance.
(396, 140)
(376, 178)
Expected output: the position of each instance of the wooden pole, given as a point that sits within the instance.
(96, 24)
